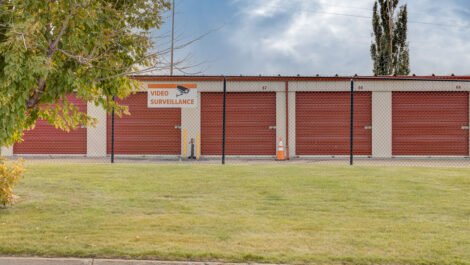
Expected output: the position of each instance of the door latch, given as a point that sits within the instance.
(368, 127)
(272, 127)
(465, 127)
(178, 127)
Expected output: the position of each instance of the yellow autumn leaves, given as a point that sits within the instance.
(10, 174)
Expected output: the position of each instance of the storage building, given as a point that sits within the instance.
(393, 117)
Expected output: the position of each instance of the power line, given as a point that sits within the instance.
(451, 25)
(467, 26)
(371, 9)
(448, 25)
(409, 21)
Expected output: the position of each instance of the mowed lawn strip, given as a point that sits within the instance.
(294, 213)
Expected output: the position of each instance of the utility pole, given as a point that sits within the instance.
(172, 36)
(391, 12)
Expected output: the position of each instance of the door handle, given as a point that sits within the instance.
(178, 127)
(272, 127)
(368, 127)
(465, 127)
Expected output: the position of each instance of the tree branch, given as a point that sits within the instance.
(34, 99)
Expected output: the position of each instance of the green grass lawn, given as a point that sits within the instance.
(266, 213)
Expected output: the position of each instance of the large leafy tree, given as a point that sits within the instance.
(389, 50)
(52, 48)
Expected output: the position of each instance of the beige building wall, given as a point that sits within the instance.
(96, 136)
(191, 118)
(320, 86)
(292, 123)
(400, 85)
(379, 86)
(6, 151)
(191, 129)
(236, 86)
(382, 124)
(281, 127)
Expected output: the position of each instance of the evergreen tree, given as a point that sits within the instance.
(389, 50)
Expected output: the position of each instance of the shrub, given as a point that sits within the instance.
(10, 174)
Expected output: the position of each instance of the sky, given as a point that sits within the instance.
(310, 37)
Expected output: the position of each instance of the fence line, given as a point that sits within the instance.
(329, 119)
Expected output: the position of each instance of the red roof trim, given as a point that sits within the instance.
(298, 78)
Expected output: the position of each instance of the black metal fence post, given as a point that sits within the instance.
(112, 134)
(351, 126)
(223, 120)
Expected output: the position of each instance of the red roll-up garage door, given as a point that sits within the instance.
(430, 123)
(46, 139)
(250, 118)
(323, 123)
(147, 131)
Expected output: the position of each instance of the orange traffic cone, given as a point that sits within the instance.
(281, 154)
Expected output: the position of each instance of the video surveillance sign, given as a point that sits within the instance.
(172, 96)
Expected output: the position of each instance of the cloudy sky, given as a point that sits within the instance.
(309, 37)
